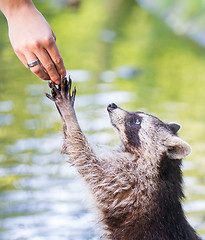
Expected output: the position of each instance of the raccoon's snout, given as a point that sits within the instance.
(111, 107)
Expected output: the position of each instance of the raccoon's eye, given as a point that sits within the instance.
(136, 121)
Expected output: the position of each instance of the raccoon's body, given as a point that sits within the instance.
(138, 185)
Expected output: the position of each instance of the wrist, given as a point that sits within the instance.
(11, 8)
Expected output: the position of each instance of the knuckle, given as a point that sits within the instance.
(39, 72)
(17, 50)
(62, 72)
(22, 48)
(36, 44)
(49, 66)
(48, 41)
(36, 70)
(58, 60)
(43, 76)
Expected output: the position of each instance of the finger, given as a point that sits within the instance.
(69, 85)
(73, 96)
(49, 66)
(38, 70)
(22, 58)
(49, 96)
(64, 87)
(57, 59)
(55, 91)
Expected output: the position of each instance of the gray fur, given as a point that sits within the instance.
(137, 186)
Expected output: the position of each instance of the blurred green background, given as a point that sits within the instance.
(140, 55)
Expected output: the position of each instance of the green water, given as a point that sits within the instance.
(115, 52)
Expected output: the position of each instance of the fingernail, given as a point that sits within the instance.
(57, 82)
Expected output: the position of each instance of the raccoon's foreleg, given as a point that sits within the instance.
(76, 145)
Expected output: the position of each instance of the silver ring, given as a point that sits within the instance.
(33, 63)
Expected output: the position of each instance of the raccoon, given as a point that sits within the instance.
(137, 185)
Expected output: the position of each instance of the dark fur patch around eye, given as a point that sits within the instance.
(132, 127)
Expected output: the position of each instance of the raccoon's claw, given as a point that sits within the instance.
(66, 90)
(49, 96)
(64, 87)
(62, 92)
(54, 90)
(73, 96)
(65, 80)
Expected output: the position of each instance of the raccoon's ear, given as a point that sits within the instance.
(177, 148)
(174, 126)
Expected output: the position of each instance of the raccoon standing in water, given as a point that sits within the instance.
(138, 185)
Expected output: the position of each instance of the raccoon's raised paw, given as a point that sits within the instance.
(62, 92)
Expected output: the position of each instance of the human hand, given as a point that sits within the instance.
(32, 38)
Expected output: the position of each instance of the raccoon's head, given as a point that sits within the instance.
(142, 132)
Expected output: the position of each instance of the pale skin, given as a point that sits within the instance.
(32, 38)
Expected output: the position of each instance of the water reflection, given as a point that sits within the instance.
(6, 106)
(103, 99)
(6, 119)
(108, 76)
(46, 191)
(194, 206)
(127, 72)
(124, 72)
(108, 36)
(42, 145)
(79, 75)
